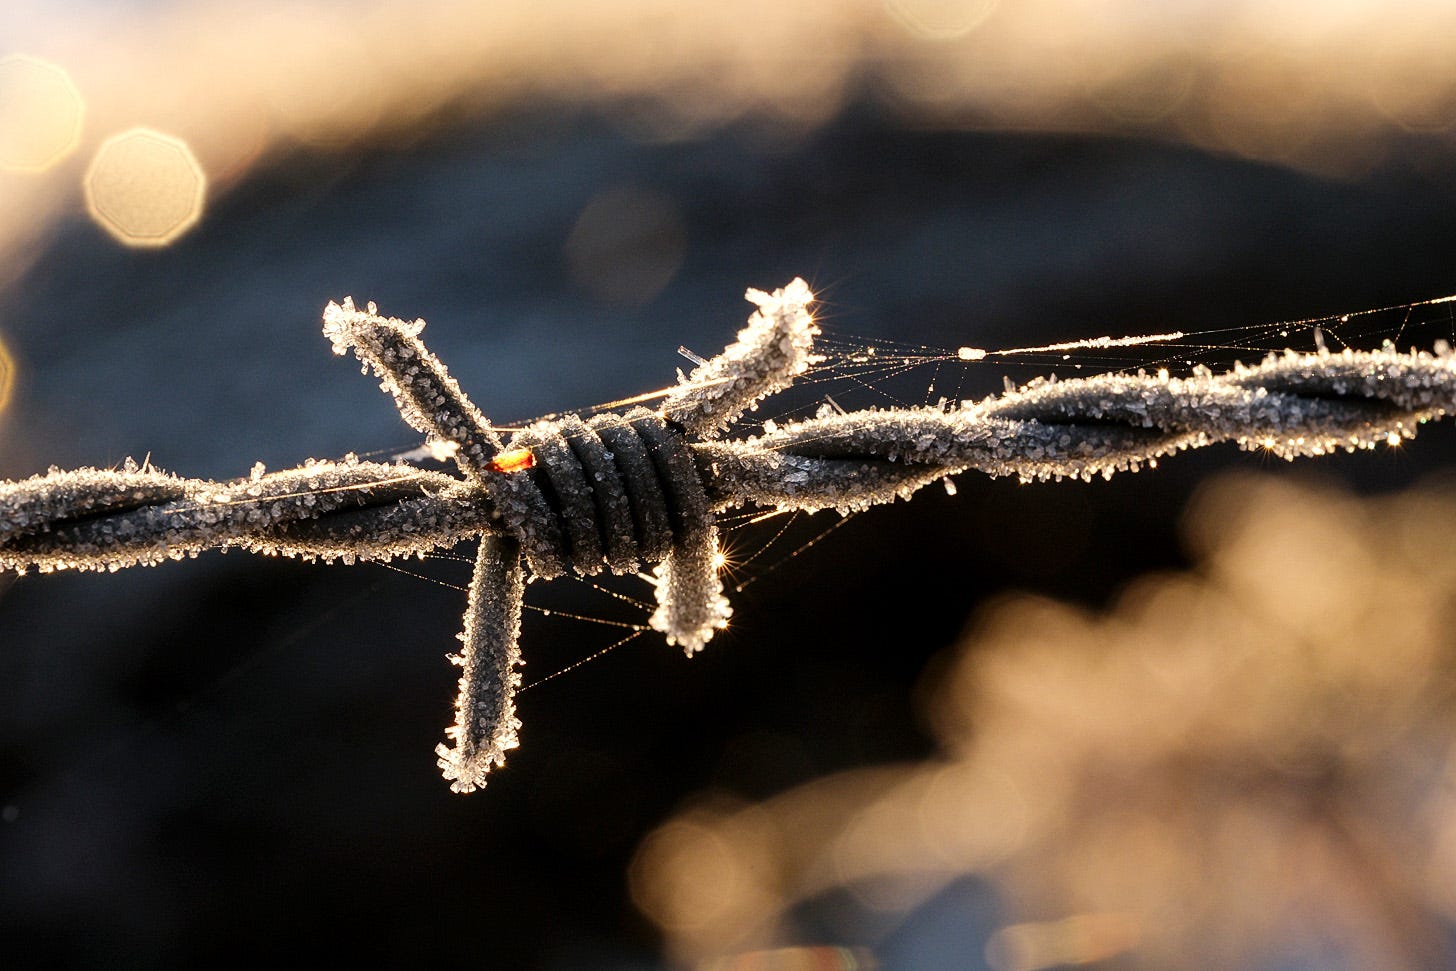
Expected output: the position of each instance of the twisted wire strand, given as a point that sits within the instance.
(108, 519)
(105, 519)
(620, 491)
(1290, 404)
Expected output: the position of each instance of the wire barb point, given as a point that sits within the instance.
(640, 488)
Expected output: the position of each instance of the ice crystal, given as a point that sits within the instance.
(485, 710)
(634, 488)
(423, 391)
(775, 347)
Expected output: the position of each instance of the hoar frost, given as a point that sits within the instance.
(622, 490)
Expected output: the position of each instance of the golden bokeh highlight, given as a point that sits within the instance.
(1225, 758)
(795, 959)
(940, 19)
(1072, 941)
(145, 188)
(40, 114)
(7, 376)
(1331, 89)
(709, 873)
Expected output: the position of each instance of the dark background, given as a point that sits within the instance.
(233, 755)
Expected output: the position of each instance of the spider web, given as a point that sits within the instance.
(865, 372)
(857, 372)
(853, 373)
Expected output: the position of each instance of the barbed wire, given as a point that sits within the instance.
(640, 488)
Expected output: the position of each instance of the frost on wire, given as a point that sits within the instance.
(641, 488)
(579, 512)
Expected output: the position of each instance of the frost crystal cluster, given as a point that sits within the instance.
(640, 488)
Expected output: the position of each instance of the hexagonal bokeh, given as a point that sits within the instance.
(145, 188)
(40, 113)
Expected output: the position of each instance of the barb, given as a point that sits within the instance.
(617, 491)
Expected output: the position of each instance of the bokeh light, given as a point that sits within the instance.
(1326, 88)
(1233, 758)
(7, 376)
(940, 19)
(307, 103)
(795, 959)
(40, 113)
(145, 188)
(1071, 941)
(627, 244)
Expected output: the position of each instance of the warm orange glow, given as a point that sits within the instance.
(40, 114)
(513, 460)
(145, 188)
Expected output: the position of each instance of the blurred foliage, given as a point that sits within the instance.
(1245, 763)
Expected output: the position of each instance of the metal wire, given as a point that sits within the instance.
(620, 491)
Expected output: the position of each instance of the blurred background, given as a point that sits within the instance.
(1018, 727)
